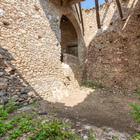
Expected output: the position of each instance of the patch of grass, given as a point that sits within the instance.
(39, 129)
(104, 128)
(115, 138)
(136, 136)
(90, 84)
(54, 129)
(33, 103)
(136, 110)
(91, 135)
(136, 114)
(25, 125)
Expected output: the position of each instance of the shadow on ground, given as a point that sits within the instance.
(100, 108)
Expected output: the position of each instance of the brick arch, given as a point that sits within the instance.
(80, 40)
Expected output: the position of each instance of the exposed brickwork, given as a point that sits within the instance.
(113, 56)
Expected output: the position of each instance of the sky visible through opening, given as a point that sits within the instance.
(90, 3)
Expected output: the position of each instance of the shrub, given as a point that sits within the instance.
(136, 110)
(39, 129)
(90, 84)
(136, 114)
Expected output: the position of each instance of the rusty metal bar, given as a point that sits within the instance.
(119, 8)
(97, 14)
(81, 17)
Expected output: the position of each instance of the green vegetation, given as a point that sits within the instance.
(115, 138)
(55, 129)
(136, 136)
(90, 135)
(90, 84)
(49, 128)
(136, 114)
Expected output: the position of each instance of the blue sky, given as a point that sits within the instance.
(90, 3)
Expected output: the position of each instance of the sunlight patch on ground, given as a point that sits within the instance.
(75, 97)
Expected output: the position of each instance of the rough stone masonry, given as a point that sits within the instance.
(113, 52)
(30, 47)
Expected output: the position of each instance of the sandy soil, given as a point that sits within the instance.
(98, 107)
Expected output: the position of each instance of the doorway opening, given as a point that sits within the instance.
(69, 39)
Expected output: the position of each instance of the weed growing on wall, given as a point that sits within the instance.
(90, 84)
(136, 114)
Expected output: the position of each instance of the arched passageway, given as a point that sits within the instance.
(69, 38)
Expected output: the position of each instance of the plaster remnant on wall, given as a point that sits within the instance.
(2, 12)
(50, 17)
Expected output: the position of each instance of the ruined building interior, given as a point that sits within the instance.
(50, 48)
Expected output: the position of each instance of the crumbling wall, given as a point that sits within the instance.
(113, 55)
(30, 47)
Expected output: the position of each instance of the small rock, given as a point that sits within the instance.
(25, 108)
(21, 14)
(4, 100)
(4, 80)
(36, 7)
(25, 104)
(12, 77)
(23, 92)
(123, 19)
(36, 16)
(15, 97)
(88, 127)
(85, 137)
(1, 56)
(31, 102)
(2, 51)
(3, 83)
(3, 86)
(39, 36)
(1, 73)
(25, 96)
(21, 99)
(25, 101)
(6, 22)
(1, 12)
(15, 103)
(32, 94)
(2, 93)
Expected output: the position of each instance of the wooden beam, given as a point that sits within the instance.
(77, 12)
(74, 1)
(97, 14)
(81, 17)
(107, 2)
(119, 8)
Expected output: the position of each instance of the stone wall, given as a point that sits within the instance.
(30, 47)
(113, 55)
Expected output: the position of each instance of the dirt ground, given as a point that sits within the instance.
(100, 108)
